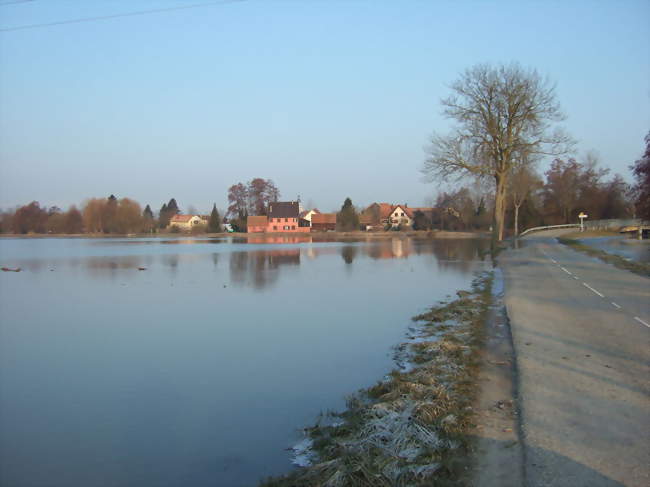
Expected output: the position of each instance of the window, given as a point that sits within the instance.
(293, 227)
(286, 220)
(275, 227)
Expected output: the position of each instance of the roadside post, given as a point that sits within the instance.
(582, 217)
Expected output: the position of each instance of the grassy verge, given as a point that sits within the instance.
(412, 427)
(637, 267)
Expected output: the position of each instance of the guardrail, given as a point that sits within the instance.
(548, 227)
(592, 225)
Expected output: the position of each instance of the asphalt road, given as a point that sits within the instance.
(581, 333)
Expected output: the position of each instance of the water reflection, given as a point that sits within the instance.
(208, 361)
(348, 252)
(259, 269)
(262, 267)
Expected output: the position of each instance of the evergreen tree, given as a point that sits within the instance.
(172, 208)
(147, 217)
(347, 219)
(163, 217)
(214, 225)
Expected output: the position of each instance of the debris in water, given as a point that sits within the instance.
(9, 269)
(142, 268)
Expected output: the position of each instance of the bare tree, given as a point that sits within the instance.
(522, 182)
(503, 114)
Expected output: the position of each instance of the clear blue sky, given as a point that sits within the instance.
(328, 98)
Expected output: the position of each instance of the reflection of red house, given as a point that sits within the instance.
(283, 217)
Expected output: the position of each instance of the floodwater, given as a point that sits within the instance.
(200, 369)
(629, 248)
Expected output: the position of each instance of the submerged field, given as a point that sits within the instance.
(198, 361)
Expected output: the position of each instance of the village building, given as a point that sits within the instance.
(257, 224)
(376, 216)
(323, 222)
(400, 216)
(283, 217)
(307, 214)
(187, 222)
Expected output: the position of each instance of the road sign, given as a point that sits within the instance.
(582, 217)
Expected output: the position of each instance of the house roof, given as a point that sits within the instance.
(181, 218)
(406, 209)
(257, 221)
(284, 209)
(323, 218)
(385, 209)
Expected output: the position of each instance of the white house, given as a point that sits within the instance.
(400, 215)
(306, 215)
(186, 222)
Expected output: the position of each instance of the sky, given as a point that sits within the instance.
(329, 99)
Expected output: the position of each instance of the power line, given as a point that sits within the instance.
(126, 14)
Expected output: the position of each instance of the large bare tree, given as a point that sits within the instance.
(504, 115)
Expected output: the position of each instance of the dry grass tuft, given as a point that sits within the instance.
(411, 428)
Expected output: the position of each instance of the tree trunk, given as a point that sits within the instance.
(499, 208)
(517, 220)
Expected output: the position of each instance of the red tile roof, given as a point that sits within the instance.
(408, 211)
(385, 209)
(181, 218)
(323, 218)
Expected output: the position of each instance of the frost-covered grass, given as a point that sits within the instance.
(411, 428)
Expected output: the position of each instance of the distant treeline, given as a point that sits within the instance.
(97, 215)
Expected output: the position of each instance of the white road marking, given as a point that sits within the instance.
(576, 278)
(641, 321)
(554, 261)
(592, 289)
(565, 270)
(615, 305)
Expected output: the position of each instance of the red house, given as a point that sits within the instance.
(283, 217)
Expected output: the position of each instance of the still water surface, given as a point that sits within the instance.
(201, 369)
(629, 248)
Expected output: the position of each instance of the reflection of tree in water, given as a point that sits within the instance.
(102, 265)
(171, 261)
(459, 253)
(348, 252)
(260, 268)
